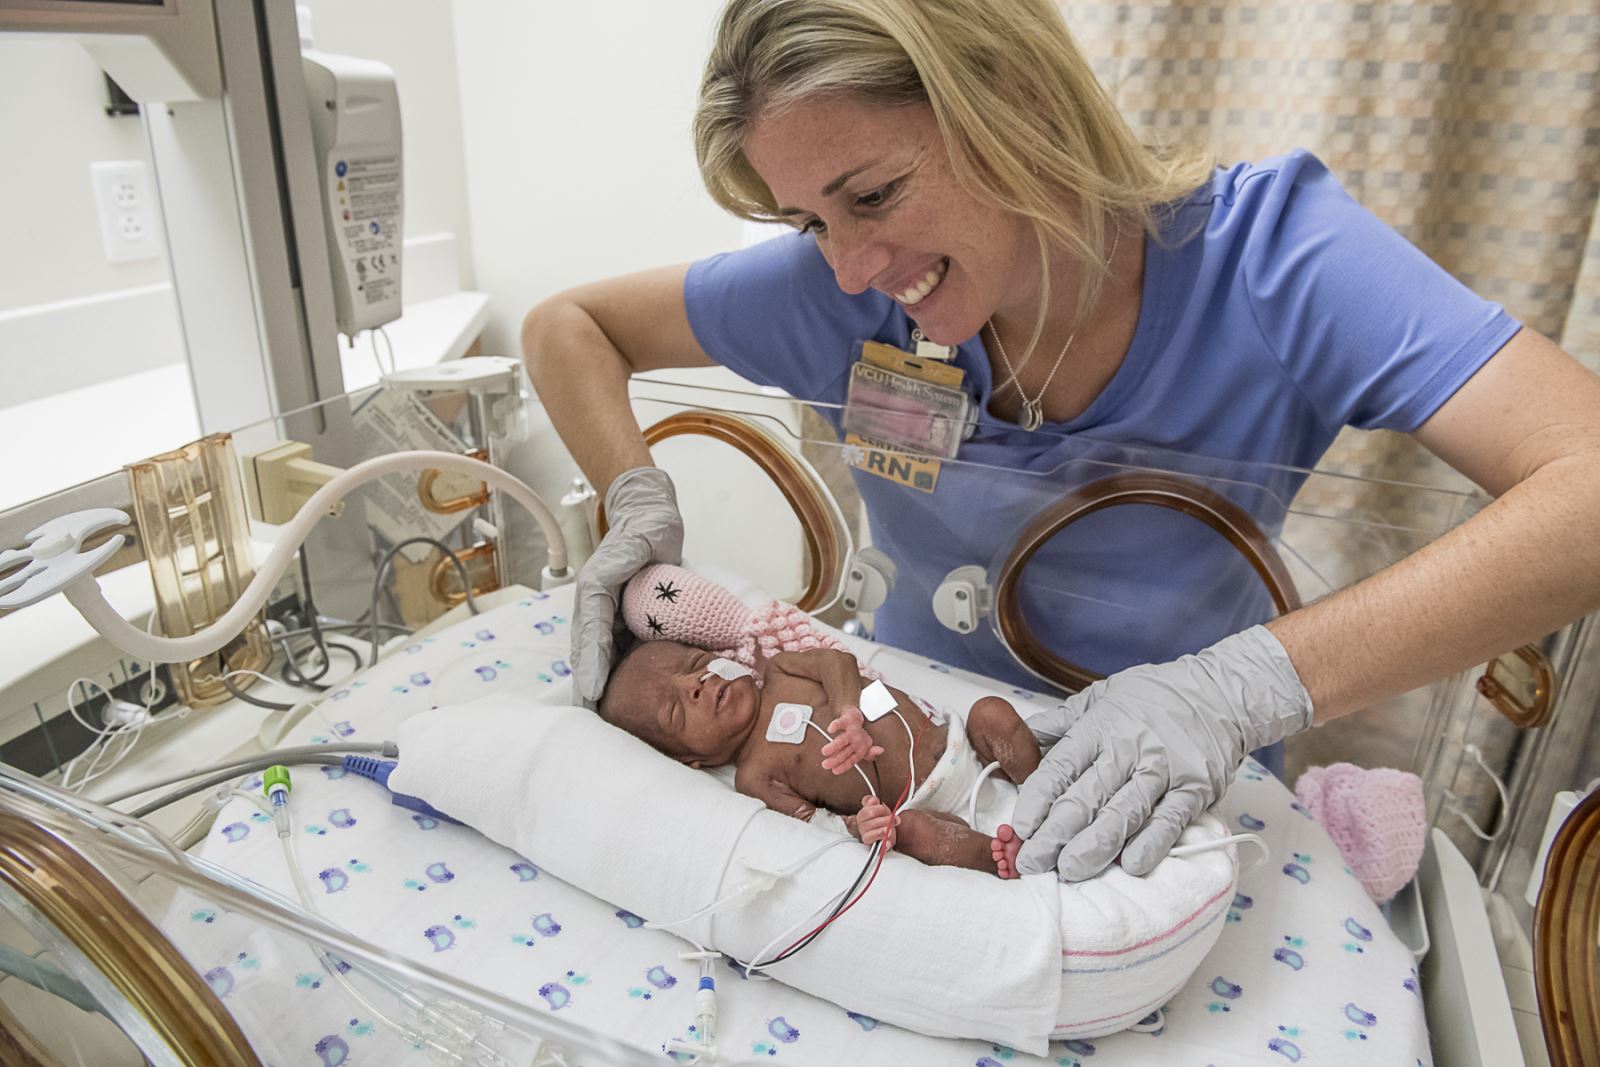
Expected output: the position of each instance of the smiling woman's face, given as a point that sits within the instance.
(874, 185)
(663, 694)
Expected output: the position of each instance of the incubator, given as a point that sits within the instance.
(312, 904)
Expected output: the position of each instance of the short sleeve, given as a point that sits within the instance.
(1374, 333)
(773, 313)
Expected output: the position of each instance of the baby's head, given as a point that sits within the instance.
(663, 693)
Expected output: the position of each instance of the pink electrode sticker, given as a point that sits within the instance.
(788, 725)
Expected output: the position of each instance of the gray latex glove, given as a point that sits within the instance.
(1136, 757)
(645, 527)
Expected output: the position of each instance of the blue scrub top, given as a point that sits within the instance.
(1275, 311)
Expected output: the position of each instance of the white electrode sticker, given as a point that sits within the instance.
(877, 701)
(788, 725)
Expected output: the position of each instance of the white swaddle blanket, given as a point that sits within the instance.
(940, 950)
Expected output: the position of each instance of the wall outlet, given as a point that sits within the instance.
(127, 210)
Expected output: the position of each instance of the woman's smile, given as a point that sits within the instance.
(919, 288)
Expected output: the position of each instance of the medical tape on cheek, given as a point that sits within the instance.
(788, 725)
(728, 670)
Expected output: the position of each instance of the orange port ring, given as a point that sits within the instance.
(798, 487)
(1137, 487)
(1564, 953)
(1523, 716)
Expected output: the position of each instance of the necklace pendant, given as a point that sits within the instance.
(1032, 415)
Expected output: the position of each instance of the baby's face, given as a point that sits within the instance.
(663, 694)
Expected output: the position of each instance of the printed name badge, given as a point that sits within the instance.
(877, 458)
(913, 404)
(904, 413)
(788, 725)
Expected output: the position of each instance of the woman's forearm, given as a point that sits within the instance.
(1523, 567)
(582, 380)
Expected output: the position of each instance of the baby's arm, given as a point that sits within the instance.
(875, 820)
(840, 678)
(774, 793)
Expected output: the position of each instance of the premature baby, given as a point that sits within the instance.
(697, 706)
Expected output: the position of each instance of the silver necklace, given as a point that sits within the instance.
(1033, 410)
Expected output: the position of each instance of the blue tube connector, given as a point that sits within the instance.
(379, 770)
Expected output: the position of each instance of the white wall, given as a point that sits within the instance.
(579, 163)
(53, 124)
(68, 317)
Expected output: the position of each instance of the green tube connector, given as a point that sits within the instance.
(277, 775)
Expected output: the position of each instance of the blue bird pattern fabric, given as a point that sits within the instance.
(1306, 969)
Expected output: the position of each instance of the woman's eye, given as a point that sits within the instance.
(879, 196)
(816, 226)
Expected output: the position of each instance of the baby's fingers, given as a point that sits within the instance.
(848, 717)
(841, 761)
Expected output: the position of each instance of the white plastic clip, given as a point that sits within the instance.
(55, 557)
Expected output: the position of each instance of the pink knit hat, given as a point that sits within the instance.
(666, 602)
(1375, 817)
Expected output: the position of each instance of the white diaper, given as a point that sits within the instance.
(948, 789)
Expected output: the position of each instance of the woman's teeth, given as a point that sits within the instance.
(929, 282)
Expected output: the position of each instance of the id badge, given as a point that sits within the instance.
(907, 403)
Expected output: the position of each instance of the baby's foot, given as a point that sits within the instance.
(1005, 845)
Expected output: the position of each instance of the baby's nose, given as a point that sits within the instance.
(693, 687)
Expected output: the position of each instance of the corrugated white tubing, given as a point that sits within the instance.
(85, 593)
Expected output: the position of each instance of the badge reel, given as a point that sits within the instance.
(913, 403)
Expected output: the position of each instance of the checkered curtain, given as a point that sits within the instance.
(1473, 128)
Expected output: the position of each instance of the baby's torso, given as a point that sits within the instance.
(799, 763)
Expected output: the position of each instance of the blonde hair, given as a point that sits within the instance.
(1027, 126)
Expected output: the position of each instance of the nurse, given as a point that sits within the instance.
(954, 167)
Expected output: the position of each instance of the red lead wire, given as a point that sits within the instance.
(898, 804)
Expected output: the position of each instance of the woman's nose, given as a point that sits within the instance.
(856, 257)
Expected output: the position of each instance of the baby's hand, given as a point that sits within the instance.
(876, 821)
(851, 743)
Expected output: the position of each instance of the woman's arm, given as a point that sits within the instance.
(1526, 428)
(1139, 755)
(581, 346)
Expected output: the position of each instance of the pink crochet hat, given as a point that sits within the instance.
(666, 602)
(1375, 817)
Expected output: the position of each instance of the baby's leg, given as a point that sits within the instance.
(998, 733)
(944, 841)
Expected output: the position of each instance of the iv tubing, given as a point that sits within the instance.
(134, 840)
(256, 763)
(86, 596)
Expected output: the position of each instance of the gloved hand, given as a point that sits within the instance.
(645, 527)
(1138, 756)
